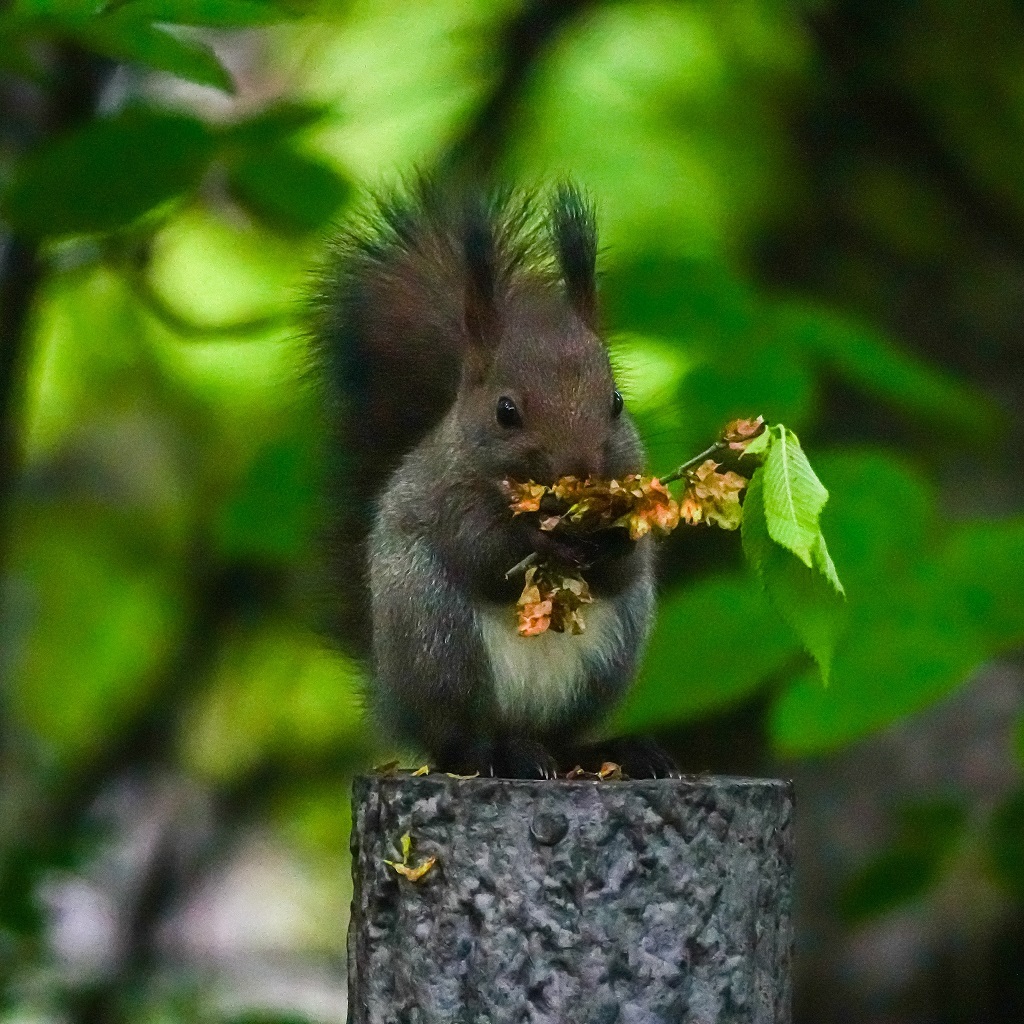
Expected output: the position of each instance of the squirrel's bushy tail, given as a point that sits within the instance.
(389, 333)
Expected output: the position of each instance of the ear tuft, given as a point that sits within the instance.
(480, 255)
(574, 229)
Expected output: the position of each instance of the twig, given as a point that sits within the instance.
(709, 453)
(522, 566)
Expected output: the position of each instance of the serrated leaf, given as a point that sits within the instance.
(793, 496)
(804, 598)
(126, 38)
(760, 444)
(288, 190)
(108, 174)
(823, 563)
(406, 844)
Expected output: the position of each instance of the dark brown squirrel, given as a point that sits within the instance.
(460, 347)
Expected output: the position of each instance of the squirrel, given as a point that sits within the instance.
(458, 339)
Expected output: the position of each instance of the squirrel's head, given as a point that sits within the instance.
(538, 398)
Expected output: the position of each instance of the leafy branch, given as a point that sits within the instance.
(780, 519)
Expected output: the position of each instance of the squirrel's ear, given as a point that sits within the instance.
(574, 231)
(480, 254)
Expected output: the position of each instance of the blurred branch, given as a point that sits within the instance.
(77, 79)
(898, 128)
(522, 42)
(20, 274)
(185, 327)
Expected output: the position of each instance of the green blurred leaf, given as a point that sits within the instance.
(109, 173)
(208, 13)
(276, 693)
(287, 189)
(881, 368)
(666, 296)
(1005, 841)
(715, 643)
(911, 867)
(270, 515)
(14, 57)
(101, 616)
(751, 379)
(805, 598)
(928, 604)
(882, 514)
(125, 37)
(986, 561)
(895, 878)
(274, 125)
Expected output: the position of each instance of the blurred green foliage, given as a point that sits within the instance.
(772, 247)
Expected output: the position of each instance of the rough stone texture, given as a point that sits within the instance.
(642, 902)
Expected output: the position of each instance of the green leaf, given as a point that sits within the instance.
(104, 618)
(269, 516)
(108, 174)
(749, 379)
(929, 602)
(986, 560)
(805, 598)
(288, 190)
(207, 13)
(1005, 842)
(274, 125)
(895, 878)
(661, 294)
(878, 366)
(736, 644)
(124, 37)
(910, 868)
(14, 57)
(793, 499)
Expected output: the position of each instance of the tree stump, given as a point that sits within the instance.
(639, 902)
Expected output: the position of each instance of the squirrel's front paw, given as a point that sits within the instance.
(576, 552)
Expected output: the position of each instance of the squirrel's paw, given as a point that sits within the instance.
(639, 757)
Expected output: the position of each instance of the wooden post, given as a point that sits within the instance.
(584, 902)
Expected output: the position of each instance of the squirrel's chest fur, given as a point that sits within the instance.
(537, 679)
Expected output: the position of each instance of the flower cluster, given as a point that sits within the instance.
(552, 599)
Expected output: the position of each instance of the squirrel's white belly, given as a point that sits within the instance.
(535, 677)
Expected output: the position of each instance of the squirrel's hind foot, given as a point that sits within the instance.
(506, 759)
(639, 757)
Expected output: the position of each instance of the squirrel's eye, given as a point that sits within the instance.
(508, 414)
(617, 404)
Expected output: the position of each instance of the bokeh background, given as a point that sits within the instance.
(811, 210)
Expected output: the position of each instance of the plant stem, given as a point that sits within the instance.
(522, 566)
(709, 453)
